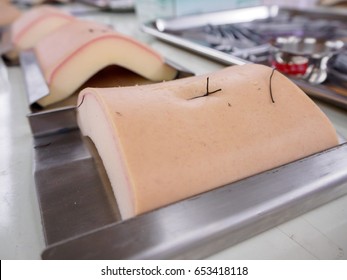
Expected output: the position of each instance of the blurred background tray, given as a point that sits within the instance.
(255, 30)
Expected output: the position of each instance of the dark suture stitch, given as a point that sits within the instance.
(207, 91)
(270, 85)
(80, 103)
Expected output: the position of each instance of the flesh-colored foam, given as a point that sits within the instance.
(8, 13)
(165, 142)
(35, 24)
(91, 47)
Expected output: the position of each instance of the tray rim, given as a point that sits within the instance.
(193, 243)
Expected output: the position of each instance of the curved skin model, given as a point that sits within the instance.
(165, 142)
(33, 25)
(8, 13)
(91, 47)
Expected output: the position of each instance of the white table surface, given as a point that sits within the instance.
(319, 234)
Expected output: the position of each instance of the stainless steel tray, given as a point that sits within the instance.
(81, 220)
(170, 30)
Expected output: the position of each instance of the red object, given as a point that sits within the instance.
(291, 68)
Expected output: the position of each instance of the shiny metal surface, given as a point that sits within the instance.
(53, 121)
(207, 223)
(116, 5)
(242, 15)
(209, 52)
(323, 93)
(35, 82)
(73, 191)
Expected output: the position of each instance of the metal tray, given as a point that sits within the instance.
(81, 219)
(171, 30)
(81, 7)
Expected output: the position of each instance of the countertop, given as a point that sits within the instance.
(319, 234)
